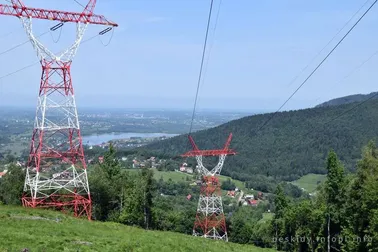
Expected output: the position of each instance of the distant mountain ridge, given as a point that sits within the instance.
(347, 99)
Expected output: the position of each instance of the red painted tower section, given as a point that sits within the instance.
(56, 174)
(210, 221)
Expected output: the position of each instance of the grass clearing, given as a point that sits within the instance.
(309, 182)
(267, 217)
(44, 230)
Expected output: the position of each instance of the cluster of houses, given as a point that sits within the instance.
(2, 174)
(246, 200)
(184, 168)
(151, 162)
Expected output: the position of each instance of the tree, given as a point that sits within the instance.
(106, 183)
(11, 185)
(146, 184)
(281, 205)
(228, 185)
(138, 200)
(334, 194)
(362, 204)
(243, 224)
(111, 164)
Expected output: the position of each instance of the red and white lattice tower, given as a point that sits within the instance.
(210, 221)
(56, 174)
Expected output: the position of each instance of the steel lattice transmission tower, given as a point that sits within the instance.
(56, 145)
(210, 221)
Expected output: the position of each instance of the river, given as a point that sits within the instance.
(104, 138)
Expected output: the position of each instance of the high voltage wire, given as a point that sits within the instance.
(21, 44)
(79, 3)
(35, 63)
(317, 67)
(353, 70)
(352, 108)
(329, 42)
(201, 67)
(212, 43)
(6, 34)
(339, 116)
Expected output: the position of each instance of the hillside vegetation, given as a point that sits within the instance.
(348, 99)
(291, 145)
(42, 230)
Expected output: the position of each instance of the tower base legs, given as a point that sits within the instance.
(67, 191)
(210, 220)
(79, 205)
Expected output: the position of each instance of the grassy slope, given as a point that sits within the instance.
(20, 229)
(309, 182)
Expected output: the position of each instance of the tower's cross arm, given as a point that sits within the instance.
(19, 10)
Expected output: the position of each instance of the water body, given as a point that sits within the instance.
(104, 138)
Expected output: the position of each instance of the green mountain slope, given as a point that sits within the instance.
(348, 99)
(291, 145)
(42, 230)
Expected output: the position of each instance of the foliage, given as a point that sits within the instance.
(245, 227)
(349, 99)
(291, 145)
(12, 185)
(362, 204)
(137, 200)
(106, 184)
(334, 195)
(343, 215)
(228, 185)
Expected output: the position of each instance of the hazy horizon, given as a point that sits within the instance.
(154, 56)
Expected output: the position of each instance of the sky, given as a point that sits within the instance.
(255, 49)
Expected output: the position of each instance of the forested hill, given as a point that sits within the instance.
(348, 99)
(292, 144)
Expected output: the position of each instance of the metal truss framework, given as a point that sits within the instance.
(210, 221)
(56, 174)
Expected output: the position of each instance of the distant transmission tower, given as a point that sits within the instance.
(56, 173)
(210, 221)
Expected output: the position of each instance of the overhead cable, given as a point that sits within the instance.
(201, 67)
(329, 42)
(317, 67)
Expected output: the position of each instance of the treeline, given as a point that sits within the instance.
(291, 145)
(135, 198)
(342, 217)
(252, 181)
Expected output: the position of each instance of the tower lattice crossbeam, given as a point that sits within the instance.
(210, 221)
(56, 174)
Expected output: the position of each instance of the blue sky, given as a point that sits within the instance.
(153, 59)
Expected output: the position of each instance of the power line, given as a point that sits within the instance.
(35, 63)
(339, 116)
(329, 42)
(353, 71)
(352, 108)
(6, 34)
(19, 70)
(201, 68)
(21, 44)
(79, 3)
(321, 63)
(212, 43)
